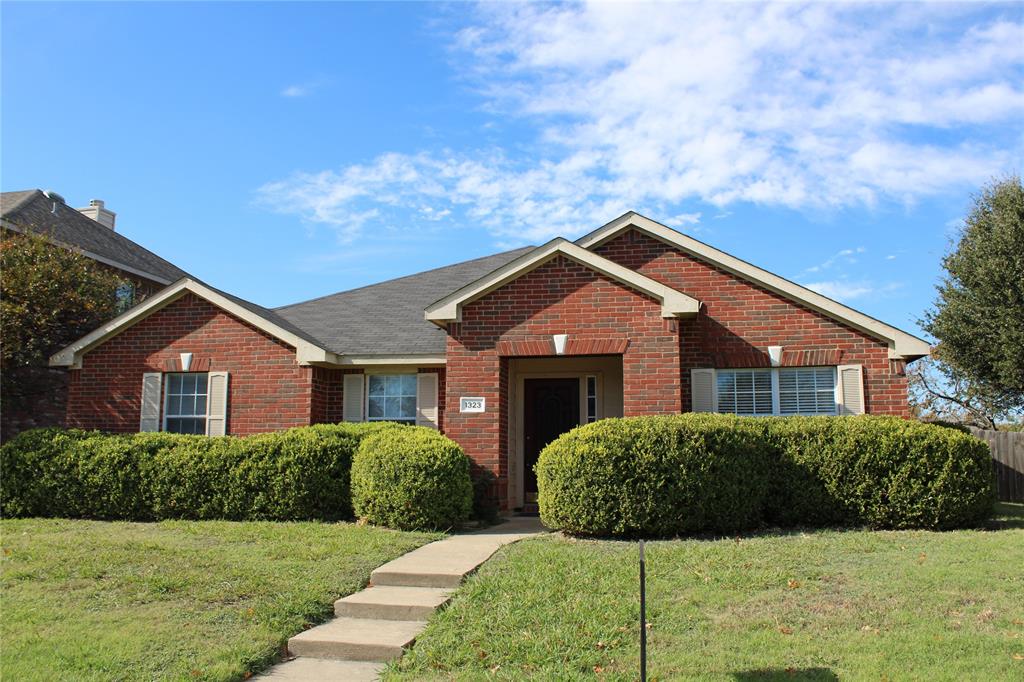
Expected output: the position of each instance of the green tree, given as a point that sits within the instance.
(978, 317)
(49, 296)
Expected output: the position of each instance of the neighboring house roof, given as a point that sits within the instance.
(901, 344)
(387, 318)
(33, 210)
(449, 309)
(308, 350)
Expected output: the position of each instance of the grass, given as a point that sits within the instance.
(91, 600)
(822, 605)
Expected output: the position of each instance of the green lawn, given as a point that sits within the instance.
(89, 600)
(815, 606)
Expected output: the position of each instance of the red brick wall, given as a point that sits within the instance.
(739, 317)
(560, 296)
(268, 390)
(325, 401)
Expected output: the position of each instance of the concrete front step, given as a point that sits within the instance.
(323, 670)
(425, 580)
(356, 639)
(441, 564)
(387, 602)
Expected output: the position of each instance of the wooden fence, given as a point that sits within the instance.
(1008, 459)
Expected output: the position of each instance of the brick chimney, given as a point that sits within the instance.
(97, 212)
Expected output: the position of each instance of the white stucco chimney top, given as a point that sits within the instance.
(97, 211)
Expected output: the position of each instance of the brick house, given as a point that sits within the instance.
(37, 395)
(501, 353)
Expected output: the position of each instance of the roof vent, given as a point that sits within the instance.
(97, 212)
(50, 194)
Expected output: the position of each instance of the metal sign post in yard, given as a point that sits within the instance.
(643, 617)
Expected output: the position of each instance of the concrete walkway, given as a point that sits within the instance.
(376, 625)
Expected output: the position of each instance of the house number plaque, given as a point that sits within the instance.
(472, 405)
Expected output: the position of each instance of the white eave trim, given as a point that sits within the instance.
(449, 309)
(901, 344)
(416, 359)
(306, 353)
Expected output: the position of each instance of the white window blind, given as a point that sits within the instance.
(745, 391)
(763, 392)
(807, 390)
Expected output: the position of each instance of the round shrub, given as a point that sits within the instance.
(654, 476)
(885, 472)
(411, 478)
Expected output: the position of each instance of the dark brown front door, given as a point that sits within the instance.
(551, 407)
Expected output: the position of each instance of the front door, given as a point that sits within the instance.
(551, 407)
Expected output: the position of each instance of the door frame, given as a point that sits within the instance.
(516, 427)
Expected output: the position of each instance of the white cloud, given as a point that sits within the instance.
(846, 256)
(845, 290)
(302, 89)
(803, 106)
(685, 219)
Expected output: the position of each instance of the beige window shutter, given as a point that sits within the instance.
(850, 389)
(217, 404)
(702, 390)
(149, 418)
(352, 398)
(426, 400)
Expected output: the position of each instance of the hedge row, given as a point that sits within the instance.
(680, 474)
(299, 474)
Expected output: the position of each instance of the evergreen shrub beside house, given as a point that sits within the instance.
(298, 474)
(680, 474)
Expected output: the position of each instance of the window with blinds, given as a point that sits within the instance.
(745, 391)
(807, 390)
(785, 391)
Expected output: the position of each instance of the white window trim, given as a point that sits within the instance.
(776, 400)
(166, 387)
(387, 373)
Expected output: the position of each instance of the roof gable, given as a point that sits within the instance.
(901, 344)
(308, 350)
(449, 309)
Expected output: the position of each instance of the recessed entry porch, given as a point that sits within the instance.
(549, 396)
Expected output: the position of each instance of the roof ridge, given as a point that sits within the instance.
(30, 194)
(70, 224)
(398, 279)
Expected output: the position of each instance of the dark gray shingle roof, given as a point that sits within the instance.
(387, 318)
(31, 209)
(270, 316)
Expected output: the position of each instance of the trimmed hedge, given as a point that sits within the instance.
(411, 478)
(299, 474)
(680, 474)
(883, 472)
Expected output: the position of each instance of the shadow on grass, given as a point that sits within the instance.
(1009, 515)
(809, 674)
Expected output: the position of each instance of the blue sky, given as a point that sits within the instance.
(285, 151)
